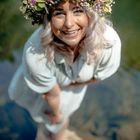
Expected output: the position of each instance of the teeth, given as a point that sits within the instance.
(71, 32)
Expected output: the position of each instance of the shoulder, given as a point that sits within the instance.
(33, 53)
(112, 49)
(111, 36)
(34, 39)
(33, 44)
(36, 33)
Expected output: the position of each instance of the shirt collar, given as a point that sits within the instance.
(59, 58)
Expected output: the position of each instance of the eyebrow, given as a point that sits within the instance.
(77, 7)
(58, 9)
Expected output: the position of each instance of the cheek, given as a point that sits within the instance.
(84, 21)
(56, 25)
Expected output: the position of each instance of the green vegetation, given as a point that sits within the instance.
(14, 29)
(127, 20)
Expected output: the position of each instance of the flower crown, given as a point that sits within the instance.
(36, 9)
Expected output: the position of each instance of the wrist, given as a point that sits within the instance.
(55, 113)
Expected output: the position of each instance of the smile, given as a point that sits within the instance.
(71, 33)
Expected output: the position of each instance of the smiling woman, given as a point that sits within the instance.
(72, 48)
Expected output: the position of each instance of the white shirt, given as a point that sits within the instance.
(41, 77)
(35, 76)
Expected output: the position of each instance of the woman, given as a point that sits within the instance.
(73, 47)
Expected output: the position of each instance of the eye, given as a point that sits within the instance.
(78, 10)
(58, 14)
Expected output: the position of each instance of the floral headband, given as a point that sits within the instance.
(36, 9)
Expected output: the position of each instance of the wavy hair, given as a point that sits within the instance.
(90, 47)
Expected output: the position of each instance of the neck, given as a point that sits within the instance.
(63, 48)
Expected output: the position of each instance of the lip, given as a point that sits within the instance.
(71, 33)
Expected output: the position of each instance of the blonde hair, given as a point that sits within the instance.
(90, 47)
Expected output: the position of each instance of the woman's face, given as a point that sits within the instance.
(69, 23)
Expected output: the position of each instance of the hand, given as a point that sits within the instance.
(76, 84)
(54, 118)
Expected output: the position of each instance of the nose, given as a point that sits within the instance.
(69, 21)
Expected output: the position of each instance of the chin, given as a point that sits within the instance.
(71, 43)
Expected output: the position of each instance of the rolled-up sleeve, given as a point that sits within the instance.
(37, 74)
(111, 56)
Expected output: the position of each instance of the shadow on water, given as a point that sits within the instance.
(110, 110)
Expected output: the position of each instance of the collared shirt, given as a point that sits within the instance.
(41, 77)
(36, 76)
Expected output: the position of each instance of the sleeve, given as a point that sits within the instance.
(111, 56)
(38, 75)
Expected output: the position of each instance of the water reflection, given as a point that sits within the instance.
(110, 111)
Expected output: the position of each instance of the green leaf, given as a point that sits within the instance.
(25, 2)
(23, 9)
(40, 1)
(41, 5)
(37, 8)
